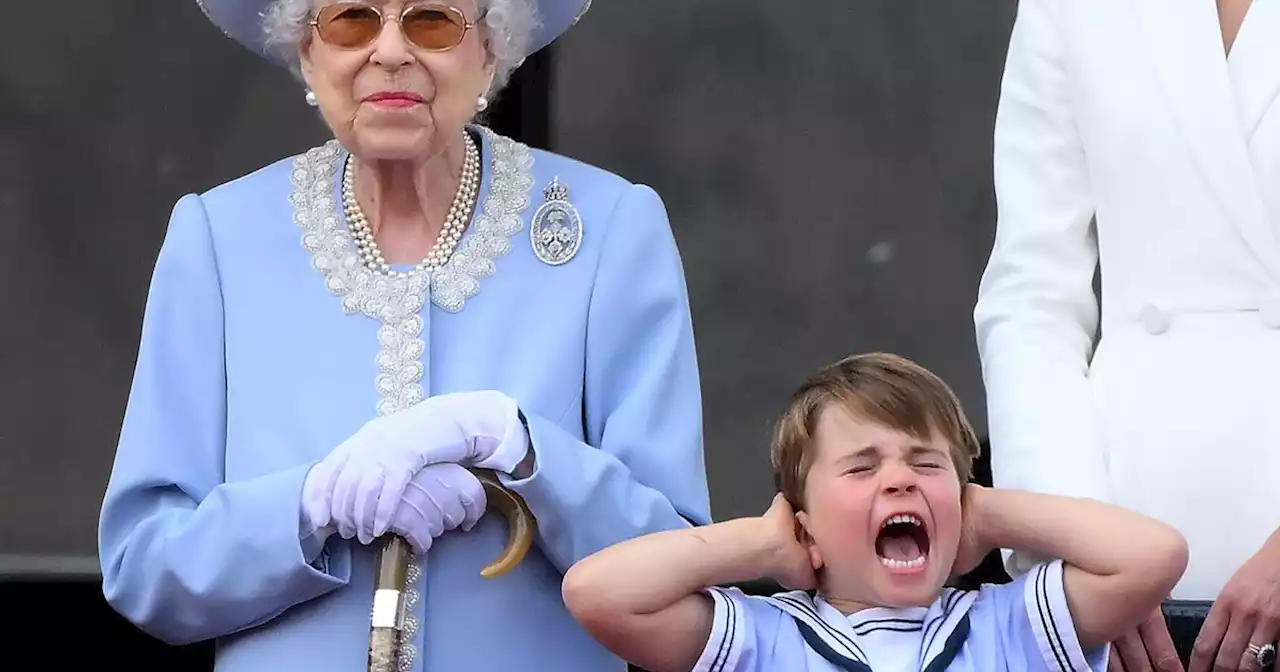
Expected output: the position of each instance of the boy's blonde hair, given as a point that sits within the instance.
(878, 387)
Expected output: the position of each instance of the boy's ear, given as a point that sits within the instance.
(807, 540)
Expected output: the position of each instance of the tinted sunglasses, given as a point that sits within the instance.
(352, 25)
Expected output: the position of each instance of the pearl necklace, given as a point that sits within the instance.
(450, 233)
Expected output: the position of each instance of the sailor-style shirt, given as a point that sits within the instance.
(1023, 626)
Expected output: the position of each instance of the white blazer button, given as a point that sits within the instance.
(1154, 320)
(1269, 312)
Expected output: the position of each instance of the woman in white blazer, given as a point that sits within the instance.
(1142, 138)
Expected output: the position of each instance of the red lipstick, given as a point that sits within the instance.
(395, 99)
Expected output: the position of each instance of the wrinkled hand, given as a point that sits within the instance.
(972, 550)
(440, 498)
(1246, 612)
(361, 483)
(1147, 648)
(792, 566)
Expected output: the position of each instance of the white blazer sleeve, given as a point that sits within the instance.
(1037, 314)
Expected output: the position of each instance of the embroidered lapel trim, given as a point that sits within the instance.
(506, 188)
(1185, 48)
(489, 237)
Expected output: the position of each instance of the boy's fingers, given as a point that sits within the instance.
(1159, 645)
(1131, 652)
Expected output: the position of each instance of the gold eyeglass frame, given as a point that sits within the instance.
(383, 18)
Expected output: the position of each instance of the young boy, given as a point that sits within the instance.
(872, 460)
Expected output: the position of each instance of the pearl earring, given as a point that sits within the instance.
(482, 104)
(311, 98)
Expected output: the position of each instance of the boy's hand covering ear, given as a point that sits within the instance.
(792, 566)
(972, 548)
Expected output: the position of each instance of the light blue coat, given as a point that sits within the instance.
(265, 345)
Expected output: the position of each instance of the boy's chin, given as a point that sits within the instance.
(901, 597)
(897, 588)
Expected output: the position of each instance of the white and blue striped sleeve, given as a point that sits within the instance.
(744, 634)
(1036, 631)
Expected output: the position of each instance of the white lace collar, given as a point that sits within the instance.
(506, 188)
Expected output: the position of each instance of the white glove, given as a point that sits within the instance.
(360, 484)
(440, 498)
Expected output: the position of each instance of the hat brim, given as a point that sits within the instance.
(241, 20)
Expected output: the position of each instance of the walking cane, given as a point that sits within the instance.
(393, 567)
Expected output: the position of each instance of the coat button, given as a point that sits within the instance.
(1269, 312)
(1154, 320)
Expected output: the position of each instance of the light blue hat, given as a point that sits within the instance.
(241, 20)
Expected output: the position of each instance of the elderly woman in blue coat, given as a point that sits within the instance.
(333, 344)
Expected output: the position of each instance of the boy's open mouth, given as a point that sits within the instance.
(903, 542)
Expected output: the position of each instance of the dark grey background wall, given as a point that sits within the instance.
(826, 165)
